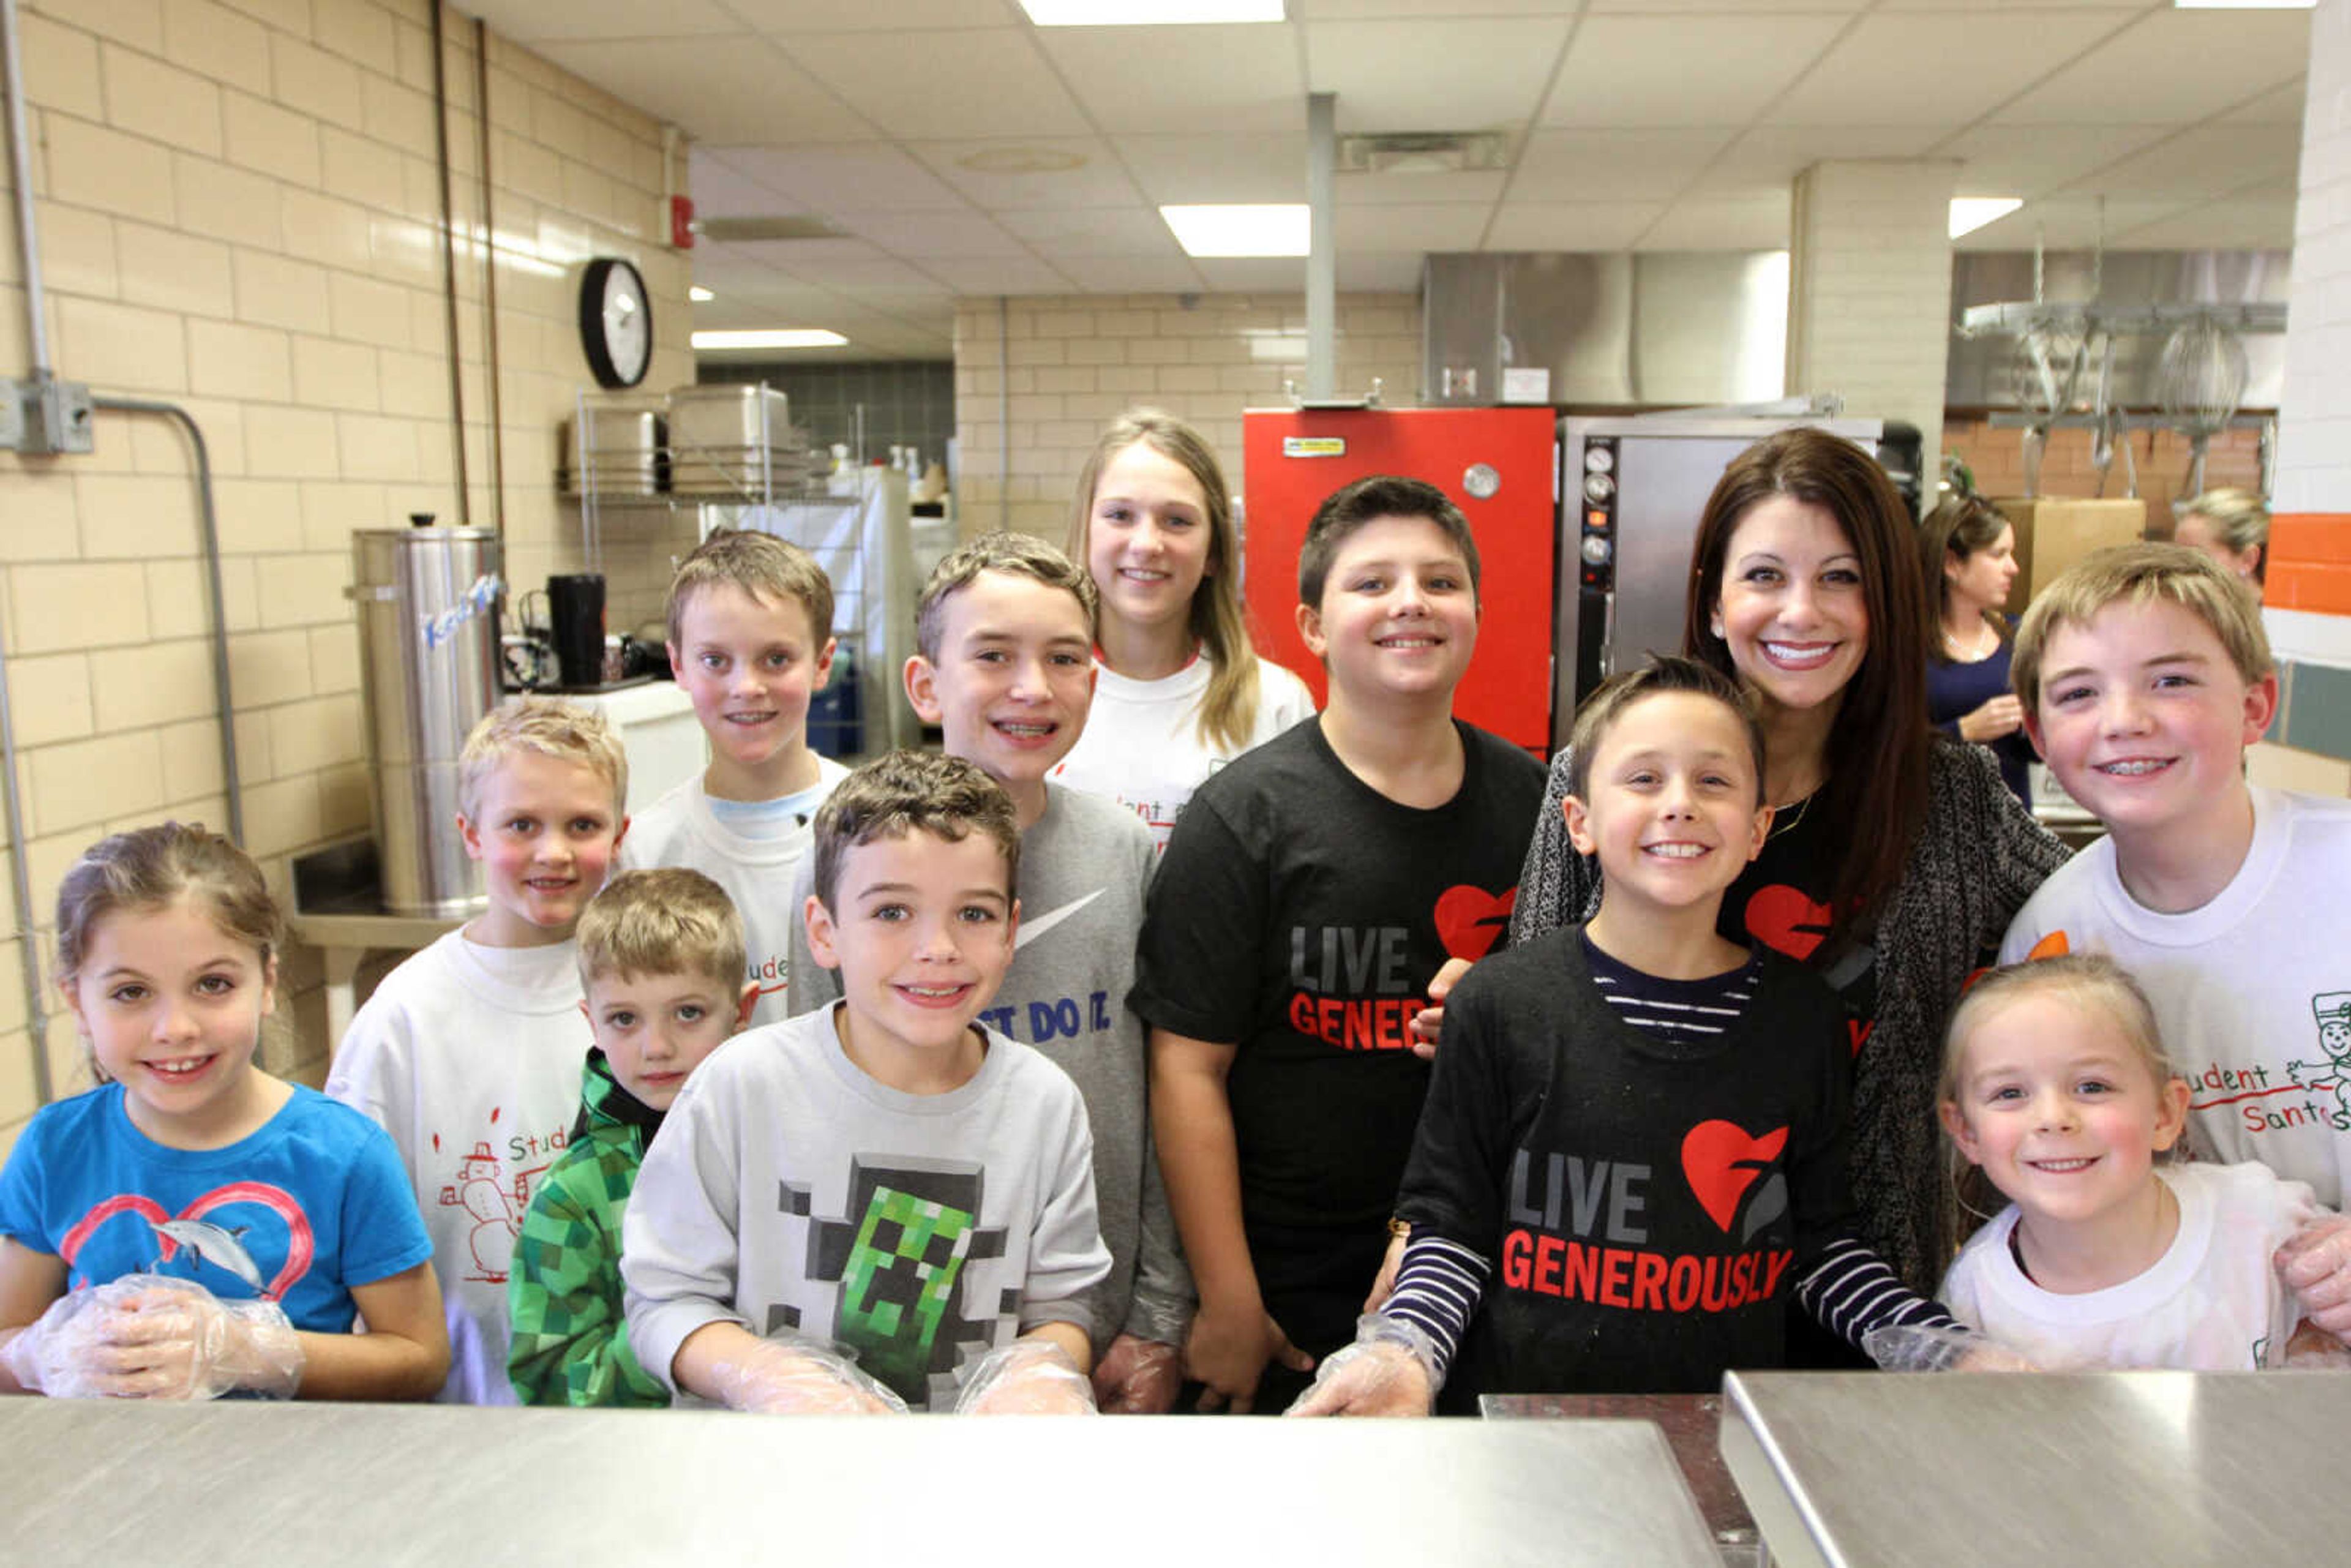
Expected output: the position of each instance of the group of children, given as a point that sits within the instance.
(938, 1086)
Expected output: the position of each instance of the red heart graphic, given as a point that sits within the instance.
(1783, 918)
(1721, 1162)
(301, 1246)
(1469, 920)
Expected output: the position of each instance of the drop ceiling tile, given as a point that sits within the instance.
(858, 177)
(2175, 67)
(921, 236)
(718, 91)
(1180, 79)
(1767, 160)
(1131, 274)
(2205, 161)
(792, 255)
(1687, 8)
(1607, 166)
(2278, 106)
(535, 22)
(1418, 190)
(985, 83)
(872, 274)
(999, 275)
(1416, 230)
(1379, 272)
(1435, 10)
(1265, 167)
(1682, 70)
(1737, 222)
(2065, 222)
(1925, 69)
(1254, 274)
(1059, 233)
(790, 16)
(722, 191)
(1461, 74)
(1570, 225)
(2030, 162)
(2219, 225)
(1096, 179)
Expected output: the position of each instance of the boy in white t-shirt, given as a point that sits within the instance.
(469, 1053)
(750, 620)
(2145, 674)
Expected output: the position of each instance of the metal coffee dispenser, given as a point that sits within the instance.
(428, 610)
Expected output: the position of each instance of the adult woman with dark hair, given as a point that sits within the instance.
(1969, 553)
(1895, 858)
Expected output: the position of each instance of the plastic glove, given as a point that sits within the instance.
(1390, 1370)
(1138, 1376)
(1027, 1377)
(1915, 1347)
(144, 1336)
(793, 1377)
(2315, 1265)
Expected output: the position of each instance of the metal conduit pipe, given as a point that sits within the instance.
(20, 161)
(230, 778)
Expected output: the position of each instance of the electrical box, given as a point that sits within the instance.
(47, 416)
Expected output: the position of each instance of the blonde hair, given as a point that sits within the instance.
(2139, 575)
(1022, 555)
(670, 921)
(2240, 520)
(547, 727)
(2094, 986)
(767, 569)
(148, 869)
(903, 793)
(1229, 706)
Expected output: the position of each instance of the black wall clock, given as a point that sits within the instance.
(616, 321)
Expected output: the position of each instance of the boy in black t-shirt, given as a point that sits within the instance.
(1310, 895)
(1634, 1148)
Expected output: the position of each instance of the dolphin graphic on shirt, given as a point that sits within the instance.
(215, 1246)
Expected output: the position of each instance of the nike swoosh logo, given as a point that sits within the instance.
(1033, 929)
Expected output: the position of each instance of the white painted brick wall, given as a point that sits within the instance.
(1869, 295)
(2314, 465)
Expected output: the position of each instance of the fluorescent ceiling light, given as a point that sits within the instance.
(2245, 5)
(1970, 213)
(771, 337)
(1267, 228)
(1147, 13)
(698, 293)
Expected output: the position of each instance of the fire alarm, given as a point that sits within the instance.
(680, 222)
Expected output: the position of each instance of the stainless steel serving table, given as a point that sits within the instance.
(359, 1486)
(1691, 1425)
(2119, 1467)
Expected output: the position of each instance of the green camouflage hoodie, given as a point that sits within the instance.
(571, 1341)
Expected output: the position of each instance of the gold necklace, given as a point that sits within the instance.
(1782, 822)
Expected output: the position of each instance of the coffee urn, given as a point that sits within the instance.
(428, 612)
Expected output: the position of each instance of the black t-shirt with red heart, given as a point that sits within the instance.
(1781, 901)
(1300, 916)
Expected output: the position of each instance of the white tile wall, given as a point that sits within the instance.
(2313, 461)
(238, 211)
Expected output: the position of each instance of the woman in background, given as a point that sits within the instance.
(1969, 552)
(2233, 527)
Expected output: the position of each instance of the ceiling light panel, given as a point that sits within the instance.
(1148, 13)
(1266, 228)
(770, 337)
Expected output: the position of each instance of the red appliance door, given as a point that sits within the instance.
(1293, 459)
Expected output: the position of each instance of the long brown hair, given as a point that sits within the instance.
(1877, 747)
(1953, 531)
(1229, 707)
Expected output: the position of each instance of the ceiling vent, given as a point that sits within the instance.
(727, 229)
(1424, 152)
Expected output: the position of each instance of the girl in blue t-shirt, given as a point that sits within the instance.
(194, 1227)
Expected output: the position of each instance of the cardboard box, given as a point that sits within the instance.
(2052, 532)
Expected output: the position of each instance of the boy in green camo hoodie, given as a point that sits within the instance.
(662, 962)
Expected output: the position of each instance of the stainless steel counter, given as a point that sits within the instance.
(358, 1486)
(1691, 1425)
(2120, 1467)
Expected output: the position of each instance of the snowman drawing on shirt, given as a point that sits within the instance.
(2333, 1011)
(498, 1216)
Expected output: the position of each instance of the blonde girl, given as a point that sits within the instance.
(1179, 690)
(2112, 1251)
(194, 1227)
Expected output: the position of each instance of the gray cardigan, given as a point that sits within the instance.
(1979, 855)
